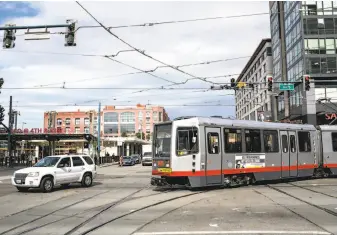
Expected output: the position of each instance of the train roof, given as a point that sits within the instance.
(245, 123)
(328, 127)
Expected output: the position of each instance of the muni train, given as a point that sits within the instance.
(202, 151)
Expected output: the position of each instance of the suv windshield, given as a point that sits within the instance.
(163, 140)
(47, 162)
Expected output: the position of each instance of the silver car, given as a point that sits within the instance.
(147, 159)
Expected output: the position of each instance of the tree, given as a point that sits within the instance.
(140, 135)
(148, 137)
(124, 134)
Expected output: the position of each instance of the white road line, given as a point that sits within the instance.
(7, 177)
(231, 232)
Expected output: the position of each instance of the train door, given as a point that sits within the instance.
(293, 157)
(285, 163)
(213, 156)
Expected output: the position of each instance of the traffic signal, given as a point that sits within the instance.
(2, 114)
(9, 38)
(270, 84)
(307, 82)
(70, 34)
(233, 82)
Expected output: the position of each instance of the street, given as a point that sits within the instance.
(121, 201)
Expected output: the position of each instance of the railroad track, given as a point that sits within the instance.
(105, 208)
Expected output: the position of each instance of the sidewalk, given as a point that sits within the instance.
(107, 164)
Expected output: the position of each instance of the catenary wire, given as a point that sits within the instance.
(138, 50)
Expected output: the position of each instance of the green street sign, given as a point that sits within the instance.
(287, 87)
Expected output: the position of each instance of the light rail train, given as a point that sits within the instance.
(202, 151)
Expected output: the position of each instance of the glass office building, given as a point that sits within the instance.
(304, 42)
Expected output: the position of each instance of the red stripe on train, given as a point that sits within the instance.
(235, 171)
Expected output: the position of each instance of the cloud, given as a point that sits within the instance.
(175, 44)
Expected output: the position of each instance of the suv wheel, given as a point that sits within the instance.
(87, 180)
(47, 185)
(22, 189)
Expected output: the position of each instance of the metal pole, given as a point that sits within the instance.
(36, 26)
(99, 133)
(16, 119)
(9, 143)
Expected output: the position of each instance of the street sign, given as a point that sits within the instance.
(287, 87)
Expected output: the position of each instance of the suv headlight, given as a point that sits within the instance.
(33, 174)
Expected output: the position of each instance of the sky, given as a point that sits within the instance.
(40, 63)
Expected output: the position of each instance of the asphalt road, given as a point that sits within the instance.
(122, 202)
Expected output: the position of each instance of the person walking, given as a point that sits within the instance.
(30, 159)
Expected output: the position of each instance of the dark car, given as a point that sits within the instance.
(136, 158)
(128, 161)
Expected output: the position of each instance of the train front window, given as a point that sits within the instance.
(187, 141)
(163, 140)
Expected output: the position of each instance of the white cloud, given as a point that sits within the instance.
(176, 44)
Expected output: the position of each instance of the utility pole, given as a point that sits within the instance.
(99, 133)
(9, 138)
(15, 114)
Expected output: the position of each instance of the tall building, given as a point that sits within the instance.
(304, 42)
(115, 122)
(251, 102)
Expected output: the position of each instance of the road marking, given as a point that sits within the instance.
(214, 225)
(231, 232)
(7, 177)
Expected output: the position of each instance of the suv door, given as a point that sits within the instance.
(78, 168)
(63, 171)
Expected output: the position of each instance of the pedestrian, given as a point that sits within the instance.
(30, 159)
(121, 161)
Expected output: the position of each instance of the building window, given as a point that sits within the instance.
(233, 139)
(59, 122)
(148, 127)
(86, 121)
(268, 50)
(86, 130)
(155, 116)
(110, 128)
(187, 141)
(68, 121)
(128, 117)
(140, 116)
(253, 141)
(77, 130)
(127, 128)
(304, 144)
(77, 121)
(67, 130)
(111, 117)
(160, 116)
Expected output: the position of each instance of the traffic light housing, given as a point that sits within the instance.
(2, 114)
(70, 34)
(9, 38)
(270, 84)
(307, 82)
(233, 82)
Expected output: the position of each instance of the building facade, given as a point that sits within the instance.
(304, 42)
(115, 122)
(72, 122)
(253, 101)
(129, 121)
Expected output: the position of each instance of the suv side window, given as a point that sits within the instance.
(77, 161)
(65, 161)
(88, 160)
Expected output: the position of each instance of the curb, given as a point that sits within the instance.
(106, 165)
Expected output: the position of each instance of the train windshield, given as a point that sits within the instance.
(163, 140)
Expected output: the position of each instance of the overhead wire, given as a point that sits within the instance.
(138, 50)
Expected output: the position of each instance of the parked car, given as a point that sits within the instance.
(56, 170)
(136, 158)
(147, 159)
(128, 161)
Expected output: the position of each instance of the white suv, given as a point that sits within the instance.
(56, 170)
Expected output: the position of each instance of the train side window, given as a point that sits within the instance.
(334, 141)
(233, 139)
(187, 141)
(213, 143)
(284, 143)
(304, 144)
(270, 141)
(292, 144)
(253, 141)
